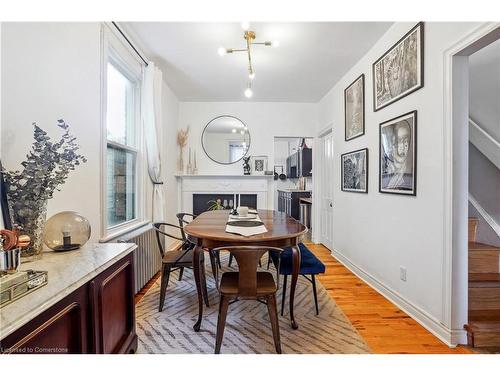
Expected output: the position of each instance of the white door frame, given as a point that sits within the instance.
(319, 162)
(455, 192)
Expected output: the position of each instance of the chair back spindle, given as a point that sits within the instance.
(160, 231)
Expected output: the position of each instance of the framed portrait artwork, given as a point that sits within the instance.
(354, 108)
(354, 167)
(400, 71)
(398, 155)
(259, 165)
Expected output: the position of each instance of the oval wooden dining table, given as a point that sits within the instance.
(208, 231)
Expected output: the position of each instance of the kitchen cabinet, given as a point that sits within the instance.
(289, 201)
(305, 162)
(97, 317)
(299, 164)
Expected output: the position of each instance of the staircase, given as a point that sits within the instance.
(483, 329)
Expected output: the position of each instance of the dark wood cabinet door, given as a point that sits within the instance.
(113, 310)
(305, 161)
(61, 329)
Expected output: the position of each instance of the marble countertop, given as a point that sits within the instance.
(66, 272)
(292, 190)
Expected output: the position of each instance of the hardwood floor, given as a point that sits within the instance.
(385, 328)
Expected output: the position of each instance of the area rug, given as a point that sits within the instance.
(248, 329)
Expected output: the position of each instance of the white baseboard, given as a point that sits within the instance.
(446, 335)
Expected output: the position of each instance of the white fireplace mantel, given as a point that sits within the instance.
(187, 185)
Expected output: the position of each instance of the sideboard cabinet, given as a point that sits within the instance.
(98, 317)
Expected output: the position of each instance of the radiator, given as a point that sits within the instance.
(147, 259)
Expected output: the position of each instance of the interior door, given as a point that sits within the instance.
(326, 191)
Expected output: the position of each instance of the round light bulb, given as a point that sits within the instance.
(234, 130)
(248, 92)
(221, 51)
(251, 75)
(275, 43)
(245, 25)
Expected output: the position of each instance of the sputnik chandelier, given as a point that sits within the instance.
(249, 37)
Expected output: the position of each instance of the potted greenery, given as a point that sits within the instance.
(45, 170)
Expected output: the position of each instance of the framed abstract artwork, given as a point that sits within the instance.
(400, 71)
(259, 164)
(398, 155)
(354, 168)
(354, 108)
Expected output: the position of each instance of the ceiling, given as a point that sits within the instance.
(310, 59)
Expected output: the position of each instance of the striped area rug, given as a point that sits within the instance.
(248, 329)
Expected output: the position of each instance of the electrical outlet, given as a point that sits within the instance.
(402, 273)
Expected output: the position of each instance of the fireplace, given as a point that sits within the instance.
(202, 202)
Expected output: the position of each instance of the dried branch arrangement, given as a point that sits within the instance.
(46, 169)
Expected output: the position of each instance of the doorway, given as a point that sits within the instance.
(458, 133)
(326, 190)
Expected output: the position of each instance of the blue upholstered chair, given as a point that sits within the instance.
(310, 266)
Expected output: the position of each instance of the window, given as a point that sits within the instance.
(122, 182)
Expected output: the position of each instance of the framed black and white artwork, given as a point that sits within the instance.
(354, 167)
(354, 108)
(400, 71)
(398, 155)
(259, 164)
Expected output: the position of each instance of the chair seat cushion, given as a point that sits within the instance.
(176, 256)
(309, 263)
(265, 283)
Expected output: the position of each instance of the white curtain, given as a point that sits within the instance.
(151, 120)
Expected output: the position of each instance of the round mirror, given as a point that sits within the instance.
(226, 139)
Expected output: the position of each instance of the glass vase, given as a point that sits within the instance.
(32, 221)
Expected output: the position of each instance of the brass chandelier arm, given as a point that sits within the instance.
(250, 68)
(231, 50)
(249, 37)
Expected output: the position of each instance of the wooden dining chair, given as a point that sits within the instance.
(181, 216)
(248, 284)
(176, 259)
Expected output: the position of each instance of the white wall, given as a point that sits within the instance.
(484, 88)
(52, 71)
(377, 233)
(264, 120)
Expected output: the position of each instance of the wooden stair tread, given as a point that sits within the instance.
(479, 326)
(489, 279)
(484, 315)
(478, 246)
(484, 276)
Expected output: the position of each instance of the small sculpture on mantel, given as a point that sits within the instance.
(246, 165)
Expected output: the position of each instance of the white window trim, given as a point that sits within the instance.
(114, 50)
